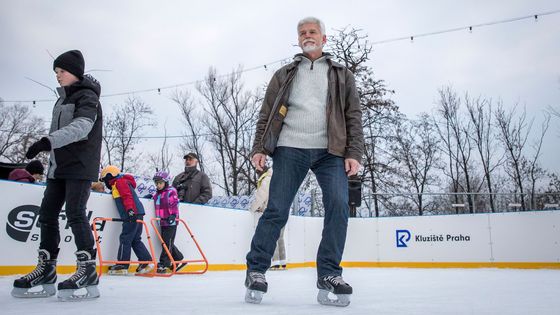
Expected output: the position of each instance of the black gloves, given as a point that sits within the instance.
(131, 215)
(42, 145)
(171, 219)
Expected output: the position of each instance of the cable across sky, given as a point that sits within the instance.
(412, 37)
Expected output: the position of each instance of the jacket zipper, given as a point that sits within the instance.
(58, 125)
(329, 105)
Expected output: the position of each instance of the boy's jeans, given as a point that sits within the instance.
(75, 193)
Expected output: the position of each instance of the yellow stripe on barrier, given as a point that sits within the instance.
(395, 264)
(14, 270)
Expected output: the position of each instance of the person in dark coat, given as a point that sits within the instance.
(32, 172)
(192, 185)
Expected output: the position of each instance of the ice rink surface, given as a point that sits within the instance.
(291, 292)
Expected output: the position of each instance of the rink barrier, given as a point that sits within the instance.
(521, 240)
(100, 269)
(188, 268)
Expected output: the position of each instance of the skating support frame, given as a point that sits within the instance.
(100, 257)
(175, 263)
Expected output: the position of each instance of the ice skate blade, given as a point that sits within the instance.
(70, 295)
(46, 291)
(277, 268)
(117, 272)
(342, 300)
(253, 296)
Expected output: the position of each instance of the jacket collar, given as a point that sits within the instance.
(300, 56)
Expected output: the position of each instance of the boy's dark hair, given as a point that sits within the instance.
(71, 61)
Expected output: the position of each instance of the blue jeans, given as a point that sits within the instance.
(290, 168)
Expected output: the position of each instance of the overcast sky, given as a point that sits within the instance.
(150, 44)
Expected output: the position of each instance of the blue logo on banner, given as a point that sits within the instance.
(403, 236)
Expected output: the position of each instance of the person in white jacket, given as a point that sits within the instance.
(258, 206)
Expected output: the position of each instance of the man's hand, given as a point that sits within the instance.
(42, 145)
(259, 161)
(351, 166)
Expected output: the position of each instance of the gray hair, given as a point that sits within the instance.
(312, 20)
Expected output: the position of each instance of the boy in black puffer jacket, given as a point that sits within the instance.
(74, 144)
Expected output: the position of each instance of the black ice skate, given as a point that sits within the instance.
(44, 275)
(144, 268)
(118, 270)
(84, 278)
(256, 285)
(180, 266)
(337, 287)
(162, 269)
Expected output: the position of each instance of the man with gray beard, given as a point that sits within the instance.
(310, 119)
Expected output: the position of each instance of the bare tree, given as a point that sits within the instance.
(513, 134)
(18, 130)
(351, 47)
(416, 149)
(193, 136)
(380, 116)
(480, 113)
(161, 160)
(231, 114)
(123, 130)
(533, 170)
(454, 133)
(553, 112)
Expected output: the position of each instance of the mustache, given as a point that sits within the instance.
(309, 40)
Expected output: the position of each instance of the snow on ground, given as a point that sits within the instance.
(376, 291)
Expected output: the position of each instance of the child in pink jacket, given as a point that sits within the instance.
(166, 204)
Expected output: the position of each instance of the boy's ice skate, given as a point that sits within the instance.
(118, 270)
(161, 269)
(85, 278)
(256, 285)
(334, 285)
(44, 275)
(144, 268)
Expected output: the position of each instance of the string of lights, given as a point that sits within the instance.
(265, 66)
(251, 129)
(469, 28)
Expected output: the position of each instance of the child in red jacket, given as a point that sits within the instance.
(130, 209)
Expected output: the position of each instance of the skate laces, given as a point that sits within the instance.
(257, 277)
(37, 272)
(81, 270)
(335, 280)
